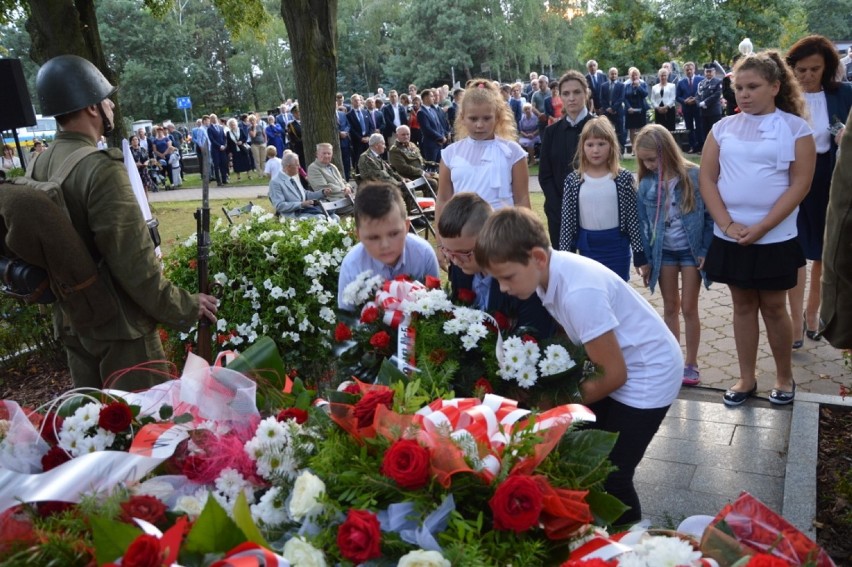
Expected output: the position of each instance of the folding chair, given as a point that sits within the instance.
(423, 211)
(329, 207)
(237, 211)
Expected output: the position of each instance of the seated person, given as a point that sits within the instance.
(372, 167)
(405, 158)
(459, 226)
(289, 196)
(639, 363)
(386, 246)
(323, 174)
(273, 162)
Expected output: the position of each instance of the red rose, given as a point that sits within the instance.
(380, 340)
(342, 332)
(529, 339)
(53, 458)
(359, 537)
(370, 314)
(438, 356)
(194, 467)
(408, 463)
(301, 416)
(365, 409)
(433, 283)
(766, 560)
(115, 417)
(466, 295)
(484, 385)
(51, 425)
(502, 320)
(144, 507)
(143, 552)
(353, 389)
(516, 504)
(402, 278)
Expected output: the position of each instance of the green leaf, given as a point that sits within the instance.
(242, 517)
(183, 418)
(605, 507)
(214, 531)
(166, 411)
(112, 538)
(303, 400)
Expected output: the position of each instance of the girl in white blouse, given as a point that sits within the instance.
(756, 168)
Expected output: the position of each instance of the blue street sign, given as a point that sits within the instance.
(184, 102)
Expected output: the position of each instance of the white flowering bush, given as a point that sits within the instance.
(274, 278)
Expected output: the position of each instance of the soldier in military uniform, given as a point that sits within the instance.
(373, 168)
(105, 214)
(405, 159)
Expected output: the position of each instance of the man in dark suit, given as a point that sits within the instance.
(709, 99)
(360, 127)
(595, 78)
(218, 153)
(558, 146)
(430, 128)
(612, 105)
(394, 115)
(686, 94)
(442, 117)
(345, 143)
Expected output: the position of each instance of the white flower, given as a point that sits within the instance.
(270, 430)
(659, 551)
(221, 279)
(230, 482)
(221, 325)
(421, 558)
(556, 360)
(276, 292)
(267, 283)
(327, 315)
(306, 490)
(270, 509)
(192, 505)
(300, 553)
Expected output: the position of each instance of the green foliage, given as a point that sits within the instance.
(112, 538)
(831, 18)
(213, 531)
(26, 328)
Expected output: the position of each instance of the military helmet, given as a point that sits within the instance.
(68, 83)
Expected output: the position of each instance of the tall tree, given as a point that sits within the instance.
(625, 33)
(312, 30)
(831, 18)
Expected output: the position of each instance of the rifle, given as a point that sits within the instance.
(202, 221)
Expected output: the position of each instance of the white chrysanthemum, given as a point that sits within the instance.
(531, 351)
(270, 510)
(526, 377)
(70, 441)
(477, 331)
(468, 342)
(558, 359)
(230, 482)
(453, 327)
(88, 415)
(271, 431)
(220, 279)
(660, 551)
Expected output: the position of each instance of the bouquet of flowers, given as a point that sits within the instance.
(421, 330)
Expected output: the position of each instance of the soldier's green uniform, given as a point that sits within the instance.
(408, 162)
(104, 212)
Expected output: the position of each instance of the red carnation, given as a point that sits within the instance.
(353, 389)
(502, 320)
(466, 295)
(365, 409)
(301, 416)
(516, 504)
(765, 560)
(484, 385)
(143, 552)
(370, 314)
(380, 340)
(53, 458)
(51, 425)
(115, 417)
(342, 332)
(433, 283)
(359, 537)
(407, 462)
(143, 507)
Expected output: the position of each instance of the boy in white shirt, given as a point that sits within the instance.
(623, 335)
(273, 163)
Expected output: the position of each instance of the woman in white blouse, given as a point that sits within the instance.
(9, 160)
(663, 100)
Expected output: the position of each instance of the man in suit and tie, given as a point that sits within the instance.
(612, 104)
(288, 195)
(687, 95)
(595, 78)
(430, 128)
(709, 99)
(394, 115)
(323, 174)
(218, 153)
(343, 130)
(360, 128)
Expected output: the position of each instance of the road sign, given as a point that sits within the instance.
(184, 102)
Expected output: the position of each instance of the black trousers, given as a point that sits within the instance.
(635, 427)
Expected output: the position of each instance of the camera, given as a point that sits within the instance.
(25, 281)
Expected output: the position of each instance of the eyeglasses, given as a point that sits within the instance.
(453, 256)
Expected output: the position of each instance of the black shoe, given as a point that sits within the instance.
(734, 398)
(782, 398)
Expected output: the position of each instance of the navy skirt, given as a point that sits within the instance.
(811, 219)
(609, 247)
(758, 266)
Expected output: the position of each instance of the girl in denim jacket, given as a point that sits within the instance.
(676, 231)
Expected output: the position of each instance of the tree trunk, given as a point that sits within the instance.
(312, 31)
(62, 27)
